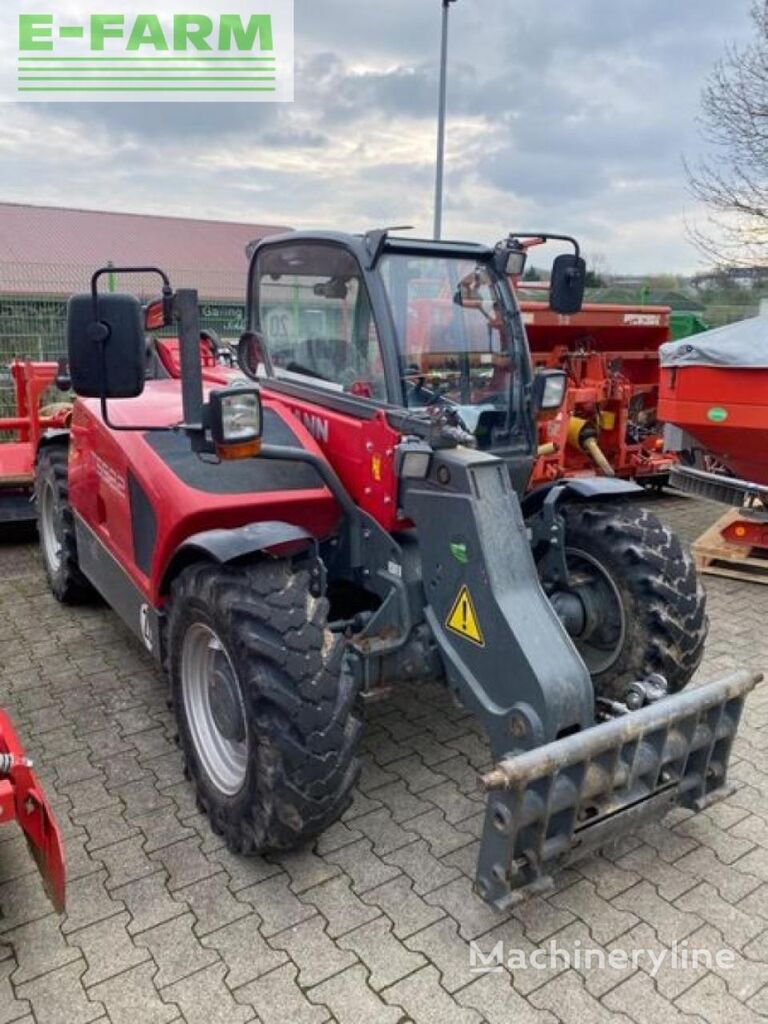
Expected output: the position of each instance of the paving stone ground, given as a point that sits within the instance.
(373, 924)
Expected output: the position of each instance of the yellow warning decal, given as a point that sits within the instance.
(462, 618)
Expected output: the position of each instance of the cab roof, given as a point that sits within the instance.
(369, 248)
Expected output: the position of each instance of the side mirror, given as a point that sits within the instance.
(159, 312)
(466, 294)
(566, 286)
(106, 345)
(252, 355)
(154, 317)
(548, 392)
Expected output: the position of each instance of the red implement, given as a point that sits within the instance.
(22, 799)
(609, 421)
(724, 410)
(27, 425)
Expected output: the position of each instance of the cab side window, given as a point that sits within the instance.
(316, 319)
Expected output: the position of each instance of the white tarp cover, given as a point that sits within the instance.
(743, 344)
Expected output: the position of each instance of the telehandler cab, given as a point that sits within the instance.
(344, 511)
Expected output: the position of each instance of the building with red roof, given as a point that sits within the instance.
(50, 250)
(47, 253)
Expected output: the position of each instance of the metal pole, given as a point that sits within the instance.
(441, 123)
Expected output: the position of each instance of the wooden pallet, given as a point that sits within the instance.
(717, 556)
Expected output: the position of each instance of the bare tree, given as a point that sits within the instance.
(733, 181)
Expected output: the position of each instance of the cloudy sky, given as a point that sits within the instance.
(571, 115)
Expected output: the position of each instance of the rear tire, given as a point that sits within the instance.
(56, 528)
(655, 606)
(266, 726)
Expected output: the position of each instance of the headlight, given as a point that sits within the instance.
(412, 459)
(236, 422)
(549, 389)
(516, 260)
(240, 418)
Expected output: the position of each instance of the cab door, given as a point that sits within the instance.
(312, 307)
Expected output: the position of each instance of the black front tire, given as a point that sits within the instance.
(650, 581)
(56, 527)
(299, 734)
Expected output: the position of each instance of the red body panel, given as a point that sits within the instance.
(689, 394)
(361, 452)
(98, 480)
(22, 799)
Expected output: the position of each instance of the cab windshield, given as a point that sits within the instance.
(452, 334)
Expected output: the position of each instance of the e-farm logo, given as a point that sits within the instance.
(69, 50)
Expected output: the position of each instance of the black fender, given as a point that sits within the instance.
(547, 529)
(225, 546)
(582, 488)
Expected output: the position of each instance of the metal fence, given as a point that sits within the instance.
(33, 308)
(719, 314)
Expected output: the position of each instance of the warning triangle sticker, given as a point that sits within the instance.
(462, 618)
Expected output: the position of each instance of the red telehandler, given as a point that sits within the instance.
(345, 511)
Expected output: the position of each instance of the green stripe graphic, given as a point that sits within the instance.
(156, 73)
(199, 72)
(52, 58)
(145, 78)
(128, 88)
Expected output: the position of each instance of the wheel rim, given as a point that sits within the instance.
(603, 640)
(214, 708)
(48, 531)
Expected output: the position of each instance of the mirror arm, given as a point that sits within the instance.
(102, 335)
(185, 309)
(101, 341)
(545, 236)
(104, 271)
(133, 426)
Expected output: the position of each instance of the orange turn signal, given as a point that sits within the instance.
(231, 452)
